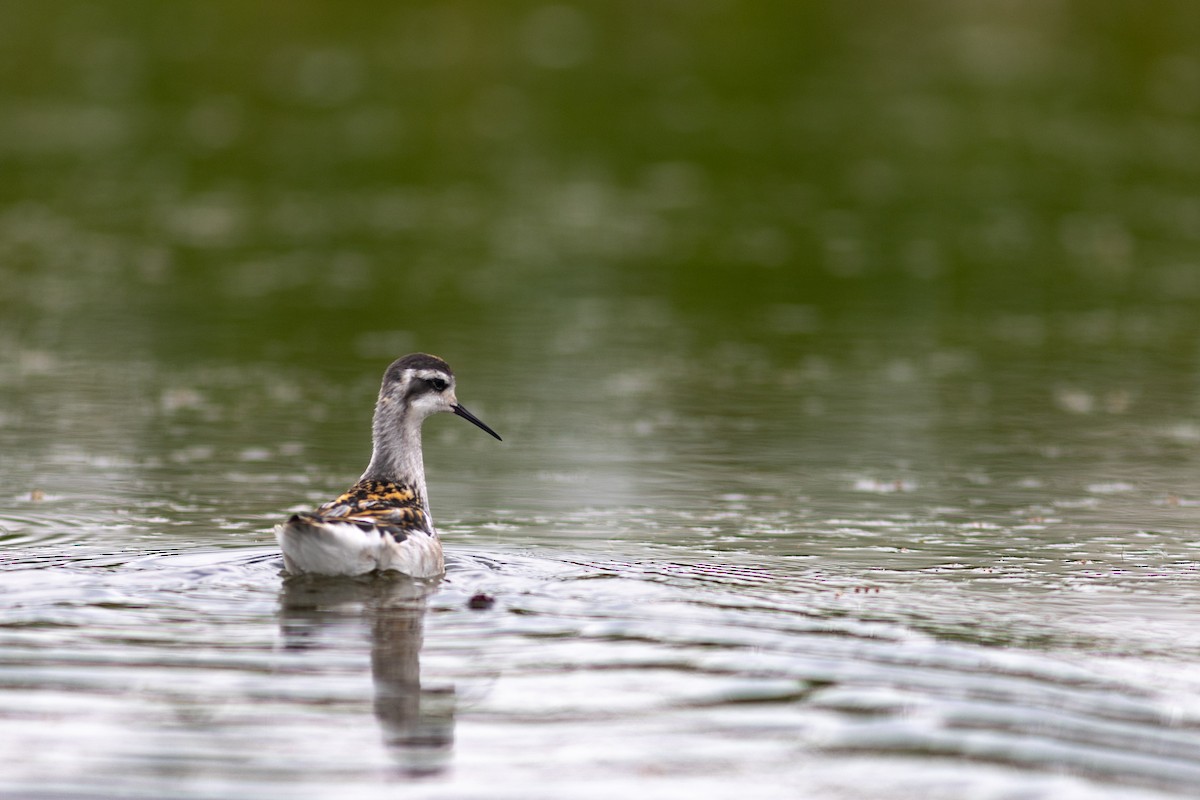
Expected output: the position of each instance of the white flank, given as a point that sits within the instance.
(340, 548)
(328, 549)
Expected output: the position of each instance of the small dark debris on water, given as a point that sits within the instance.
(481, 601)
(858, 590)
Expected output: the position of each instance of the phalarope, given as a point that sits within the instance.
(383, 521)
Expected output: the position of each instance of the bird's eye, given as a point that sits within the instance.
(438, 384)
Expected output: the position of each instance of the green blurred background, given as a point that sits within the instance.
(814, 296)
(735, 199)
(456, 163)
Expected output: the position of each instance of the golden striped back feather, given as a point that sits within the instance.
(393, 509)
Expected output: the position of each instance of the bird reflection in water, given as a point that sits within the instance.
(417, 722)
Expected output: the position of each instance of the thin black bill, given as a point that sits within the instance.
(474, 420)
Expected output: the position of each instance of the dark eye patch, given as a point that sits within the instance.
(438, 384)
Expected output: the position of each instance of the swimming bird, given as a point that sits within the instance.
(383, 522)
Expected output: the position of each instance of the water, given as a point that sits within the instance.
(912, 588)
(845, 359)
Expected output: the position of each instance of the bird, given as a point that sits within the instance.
(382, 522)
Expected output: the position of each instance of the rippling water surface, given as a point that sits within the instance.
(959, 606)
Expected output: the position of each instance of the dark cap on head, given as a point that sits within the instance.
(415, 361)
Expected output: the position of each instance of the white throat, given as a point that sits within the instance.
(396, 449)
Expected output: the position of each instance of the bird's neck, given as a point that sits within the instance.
(396, 450)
